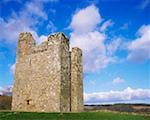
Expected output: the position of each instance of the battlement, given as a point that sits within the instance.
(27, 44)
(57, 36)
(77, 50)
(25, 35)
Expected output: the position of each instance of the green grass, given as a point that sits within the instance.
(71, 116)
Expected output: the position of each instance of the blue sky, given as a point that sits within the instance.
(113, 34)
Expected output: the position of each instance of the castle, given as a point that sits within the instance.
(48, 77)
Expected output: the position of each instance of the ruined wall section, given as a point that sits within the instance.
(26, 44)
(21, 87)
(65, 75)
(76, 80)
(41, 75)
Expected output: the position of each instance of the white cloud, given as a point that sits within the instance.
(85, 20)
(87, 36)
(118, 80)
(12, 68)
(39, 39)
(94, 50)
(1, 91)
(113, 46)
(36, 8)
(89, 41)
(6, 90)
(139, 49)
(105, 25)
(26, 20)
(127, 94)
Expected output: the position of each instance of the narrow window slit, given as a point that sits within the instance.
(28, 102)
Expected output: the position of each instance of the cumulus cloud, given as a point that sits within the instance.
(89, 41)
(127, 95)
(86, 35)
(26, 20)
(36, 8)
(139, 49)
(6, 90)
(113, 46)
(118, 80)
(86, 19)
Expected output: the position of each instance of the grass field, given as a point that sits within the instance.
(71, 116)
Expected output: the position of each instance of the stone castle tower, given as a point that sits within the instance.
(48, 77)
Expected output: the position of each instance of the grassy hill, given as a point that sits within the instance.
(71, 116)
(136, 108)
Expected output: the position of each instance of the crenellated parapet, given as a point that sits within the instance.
(58, 38)
(27, 44)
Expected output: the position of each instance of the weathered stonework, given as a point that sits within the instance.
(76, 80)
(46, 78)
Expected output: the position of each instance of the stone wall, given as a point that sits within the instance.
(43, 75)
(76, 80)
